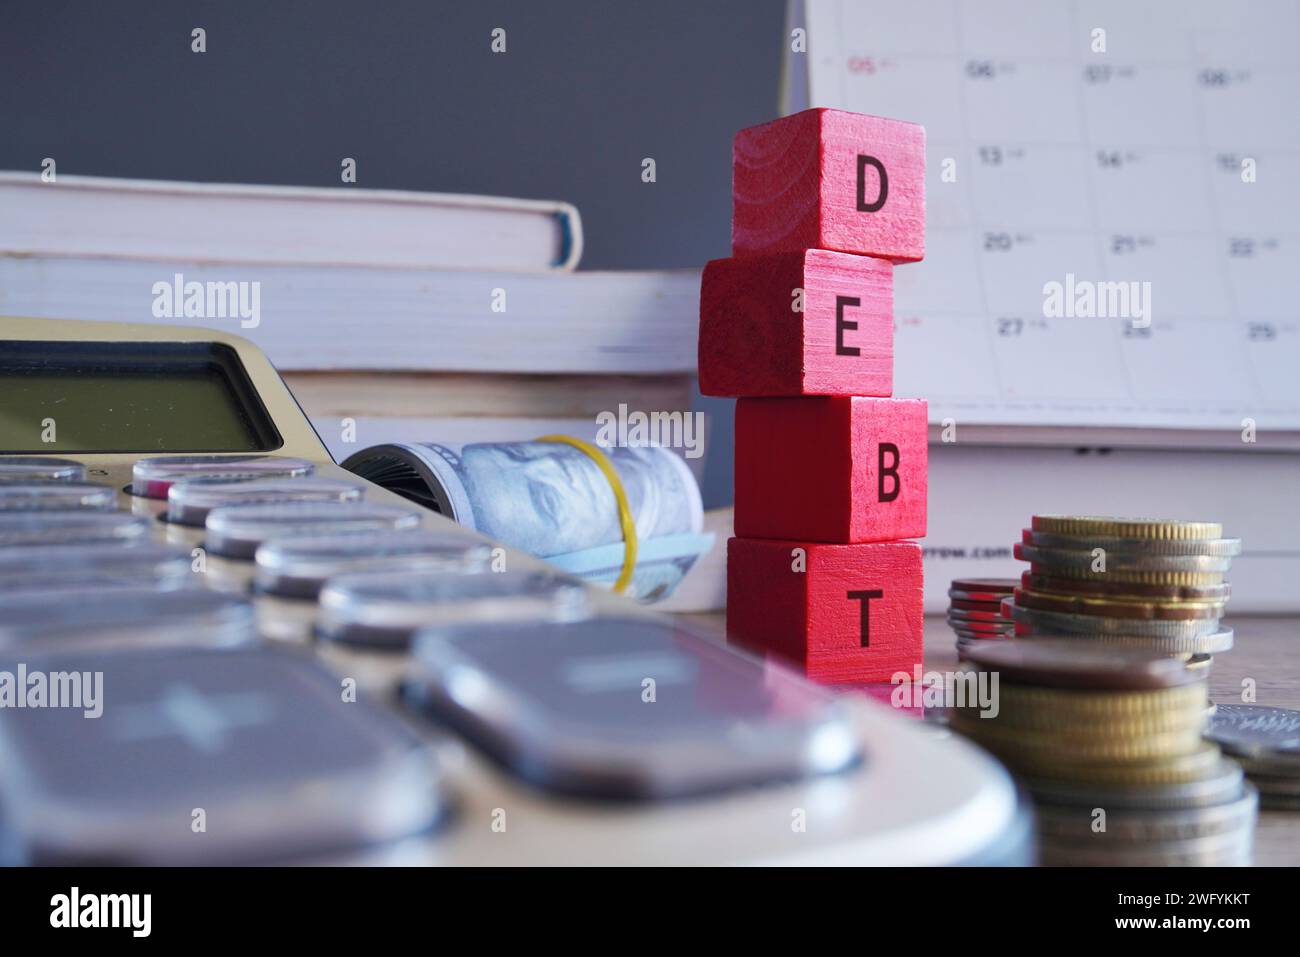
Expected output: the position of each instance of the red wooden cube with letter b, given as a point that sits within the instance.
(841, 613)
(827, 179)
(803, 323)
(831, 469)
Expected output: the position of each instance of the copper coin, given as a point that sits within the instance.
(981, 589)
(962, 604)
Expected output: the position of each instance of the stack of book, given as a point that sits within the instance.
(392, 315)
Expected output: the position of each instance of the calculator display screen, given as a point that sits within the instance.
(129, 397)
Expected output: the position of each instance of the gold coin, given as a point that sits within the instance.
(1192, 766)
(1117, 607)
(1180, 579)
(1070, 704)
(1075, 748)
(1085, 525)
(1123, 725)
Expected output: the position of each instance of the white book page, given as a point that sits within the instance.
(1127, 165)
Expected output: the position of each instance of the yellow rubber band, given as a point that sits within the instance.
(625, 520)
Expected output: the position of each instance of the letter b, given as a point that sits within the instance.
(888, 472)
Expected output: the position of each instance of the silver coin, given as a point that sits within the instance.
(1120, 561)
(1287, 785)
(982, 635)
(1202, 646)
(1278, 802)
(1047, 622)
(1213, 547)
(983, 627)
(1147, 826)
(1232, 849)
(1224, 783)
(1258, 732)
(190, 501)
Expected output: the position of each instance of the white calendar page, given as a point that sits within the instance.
(1125, 165)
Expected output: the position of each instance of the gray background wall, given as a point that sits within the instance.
(413, 92)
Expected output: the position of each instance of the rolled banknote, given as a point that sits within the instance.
(552, 500)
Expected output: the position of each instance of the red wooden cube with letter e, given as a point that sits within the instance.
(831, 468)
(803, 323)
(828, 179)
(841, 613)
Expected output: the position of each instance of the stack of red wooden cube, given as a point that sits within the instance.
(799, 326)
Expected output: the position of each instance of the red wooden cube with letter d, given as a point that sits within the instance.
(828, 179)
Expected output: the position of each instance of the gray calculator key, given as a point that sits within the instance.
(235, 531)
(40, 468)
(628, 708)
(228, 757)
(70, 527)
(56, 495)
(113, 618)
(153, 477)
(299, 567)
(383, 611)
(189, 502)
(63, 567)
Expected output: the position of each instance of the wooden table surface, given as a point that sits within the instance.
(1267, 651)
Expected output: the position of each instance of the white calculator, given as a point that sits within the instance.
(219, 647)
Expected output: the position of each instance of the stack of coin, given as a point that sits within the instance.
(1109, 742)
(975, 609)
(1145, 584)
(1266, 743)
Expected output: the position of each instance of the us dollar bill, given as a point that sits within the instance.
(553, 501)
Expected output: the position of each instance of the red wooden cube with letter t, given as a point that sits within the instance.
(828, 179)
(831, 468)
(803, 323)
(841, 613)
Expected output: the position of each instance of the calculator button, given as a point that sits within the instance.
(73, 526)
(189, 501)
(39, 496)
(75, 566)
(153, 477)
(235, 531)
(299, 567)
(38, 468)
(113, 618)
(257, 746)
(628, 708)
(383, 610)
